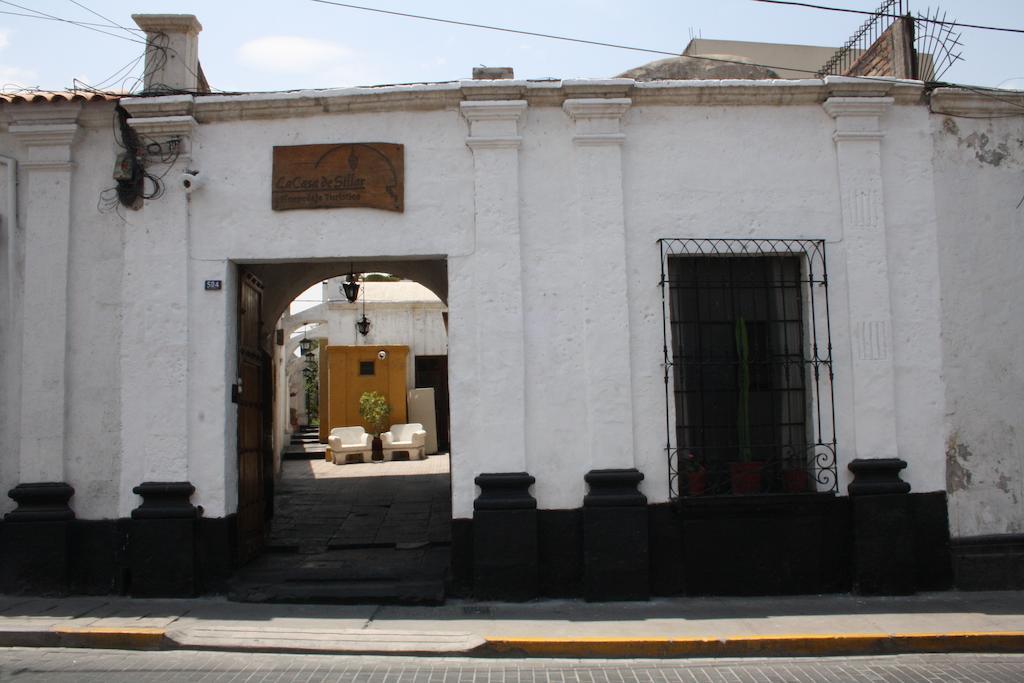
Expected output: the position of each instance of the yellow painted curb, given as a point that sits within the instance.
(111, 638)
(762, 646)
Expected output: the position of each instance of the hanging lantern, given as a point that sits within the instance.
(306, 345)
(363, 325)
(350, 288)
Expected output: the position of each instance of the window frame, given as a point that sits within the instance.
(816, 351)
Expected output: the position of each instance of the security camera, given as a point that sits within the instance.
(382, 354)
(191, 181)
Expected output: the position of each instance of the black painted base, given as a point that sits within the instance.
(162, 541)
(765, 544)
(616, 562)
(505, 538)
(35, 558)
(34, 539)
(993, 562)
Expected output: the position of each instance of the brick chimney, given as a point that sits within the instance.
(172, 55)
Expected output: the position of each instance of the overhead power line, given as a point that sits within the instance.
(113, 24)
(496, 28)
(36, 14)
(986, 92)
(551, 36)
(885, 14)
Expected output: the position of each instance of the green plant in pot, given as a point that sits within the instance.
(745, 474)
(374, 410)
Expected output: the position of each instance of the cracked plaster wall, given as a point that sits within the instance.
(979, 177)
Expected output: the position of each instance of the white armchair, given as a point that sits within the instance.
(405, 437)
(346, 441)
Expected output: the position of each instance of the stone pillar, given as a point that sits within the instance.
(884, 558)
(616, 555)
(505, 562)
(162, 541)
(505, 514)
(47, 136)
(604, 300)
(154, 370)
(35, 533)
(615, 542)
(497, 281)
(858, 139)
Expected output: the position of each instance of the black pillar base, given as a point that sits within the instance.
(162, 541)
(34, 542)
(884, 560)
(615, 538)
(505, 538)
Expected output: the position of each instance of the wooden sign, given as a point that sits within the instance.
(367, 174)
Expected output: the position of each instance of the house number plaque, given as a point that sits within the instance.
(366, 174)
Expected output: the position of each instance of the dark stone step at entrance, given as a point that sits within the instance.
(377, 592)
(303, 453)
(375, 575)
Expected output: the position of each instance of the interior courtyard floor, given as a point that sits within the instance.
(366, 532)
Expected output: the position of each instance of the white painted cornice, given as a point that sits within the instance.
(165, 105)
(960, 102)
(162, 23)
(857, 106)
(512, 110)
(597, 120)
(164, 126)
(447, 96)
(172, 133)
(48, 143)
(857, 118)
(494, 124)
(44, 113)
(596, 108)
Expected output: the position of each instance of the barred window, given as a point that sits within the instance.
(746, 367)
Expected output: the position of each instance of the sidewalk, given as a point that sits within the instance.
(676, 627)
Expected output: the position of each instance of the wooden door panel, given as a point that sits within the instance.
(251, 415)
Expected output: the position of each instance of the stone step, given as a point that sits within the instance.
(371, 575)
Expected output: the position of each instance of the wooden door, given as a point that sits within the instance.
(250, 395)
(353, 370)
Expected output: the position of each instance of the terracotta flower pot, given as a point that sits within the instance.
(745, 477)
(794, 481)
(696, 482)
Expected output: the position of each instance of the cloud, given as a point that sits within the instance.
(13, 78)
(291, 54)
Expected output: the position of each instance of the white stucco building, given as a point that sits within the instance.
(559, 222)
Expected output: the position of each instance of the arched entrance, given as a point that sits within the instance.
(310, 529)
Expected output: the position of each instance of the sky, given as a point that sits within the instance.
(257, 45)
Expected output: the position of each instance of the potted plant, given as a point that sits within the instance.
(374, 410)
(794, 474)
(745, 474)
(694, 474)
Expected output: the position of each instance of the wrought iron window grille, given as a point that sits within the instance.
(747, 366)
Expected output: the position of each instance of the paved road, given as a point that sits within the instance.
(19, 665)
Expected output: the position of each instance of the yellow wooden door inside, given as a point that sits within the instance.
(353, 370)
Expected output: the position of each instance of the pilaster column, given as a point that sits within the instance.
(604, 299)
(154, 343)
(34, 538)
(497, 280)
(47, 137)
(858, 139)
